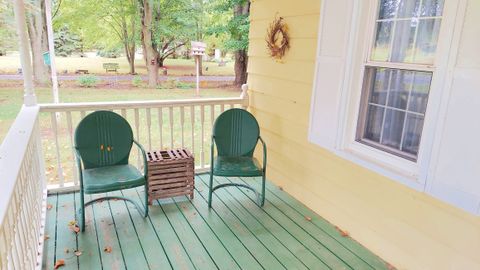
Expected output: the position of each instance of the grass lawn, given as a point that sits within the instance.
(176, 67)
(11, 102)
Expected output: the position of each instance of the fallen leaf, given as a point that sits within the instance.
(78, 253)
(46, 237)
(49, 206)
(308, 218)
(280, 187)
(108, 249)
(71, 223)
(342, 232)
(67, 250)
(59, 263)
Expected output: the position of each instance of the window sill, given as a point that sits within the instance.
(393, 167)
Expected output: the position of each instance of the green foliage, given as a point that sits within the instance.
(88, 81)
(8, 37)
(137, 81)
(66, 42)
(235, 29)
(185, 85)
(110, 52)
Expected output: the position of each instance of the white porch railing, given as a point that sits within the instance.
(162, 124)
(25, 169)
(22, 194)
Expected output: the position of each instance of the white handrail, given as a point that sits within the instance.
(22, 194)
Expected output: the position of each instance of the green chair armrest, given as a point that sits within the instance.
(264, 153)
(145, 168)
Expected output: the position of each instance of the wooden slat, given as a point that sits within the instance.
(164, 231)
(87, 241)
(66, 239)
(276, 245)
(294, 209)
(107, 235)
(152, 247)
(185, 234)
(328, 256)
(225, 234)
(130, 246)
(196, 251)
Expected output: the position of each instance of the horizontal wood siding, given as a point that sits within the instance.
(408, 228)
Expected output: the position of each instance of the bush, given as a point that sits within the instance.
(168, 84)
(88, 81)
(137, 81)
(185, 85)
(110, 53)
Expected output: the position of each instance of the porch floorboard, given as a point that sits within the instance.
(184, 234)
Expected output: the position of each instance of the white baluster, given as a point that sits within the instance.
(160, 126)
(57, 149)
(137, 130)
(182, 123)
(70, 134)
(170, 112)
(202, 146)
(149, 128)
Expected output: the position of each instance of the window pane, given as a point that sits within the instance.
(373, 127)
(407, 31)
(412, 134)
(394, 109)
(427, 38)
(432, 8)
(409, 9)
(419, 96)
(388, 8)
(402, 46)
(378, 93)
(392, 129)
(382, 41)
(400, 86)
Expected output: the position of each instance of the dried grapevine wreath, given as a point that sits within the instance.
(278, 40)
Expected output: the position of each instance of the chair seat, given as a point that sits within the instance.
(237, 166)
(111, 178)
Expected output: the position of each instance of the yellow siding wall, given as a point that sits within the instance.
(409, 229)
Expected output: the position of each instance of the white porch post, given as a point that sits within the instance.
(51, 49)
(29, 98)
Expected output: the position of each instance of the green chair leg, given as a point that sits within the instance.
(82, 211)
(210, 191)
(146, 200)
(263, 191)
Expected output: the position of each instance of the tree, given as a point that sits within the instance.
(106, 24)
(37, 32)
(66, 42)
(166, 26)
(237, 27)
(8, 37)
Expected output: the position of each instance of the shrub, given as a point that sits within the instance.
(168, 84)
(88, 81)
(137, 81)
(185, 85)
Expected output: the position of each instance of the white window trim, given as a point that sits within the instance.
(410, 173)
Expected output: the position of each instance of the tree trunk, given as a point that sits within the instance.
(150, 54)
(241, 56)
(38, 42)
(241, 62)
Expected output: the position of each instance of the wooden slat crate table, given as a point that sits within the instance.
(170, 174)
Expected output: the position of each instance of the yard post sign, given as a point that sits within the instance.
(198, 51)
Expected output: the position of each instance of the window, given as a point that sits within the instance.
(398, 75)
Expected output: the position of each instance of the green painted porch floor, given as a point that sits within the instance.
(184, 234)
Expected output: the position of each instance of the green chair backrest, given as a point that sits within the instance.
(236, 133)
(103, 138)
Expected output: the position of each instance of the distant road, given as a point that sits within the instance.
(129, 77)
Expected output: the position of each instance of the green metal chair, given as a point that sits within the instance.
(103, 141)
(236, 134)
